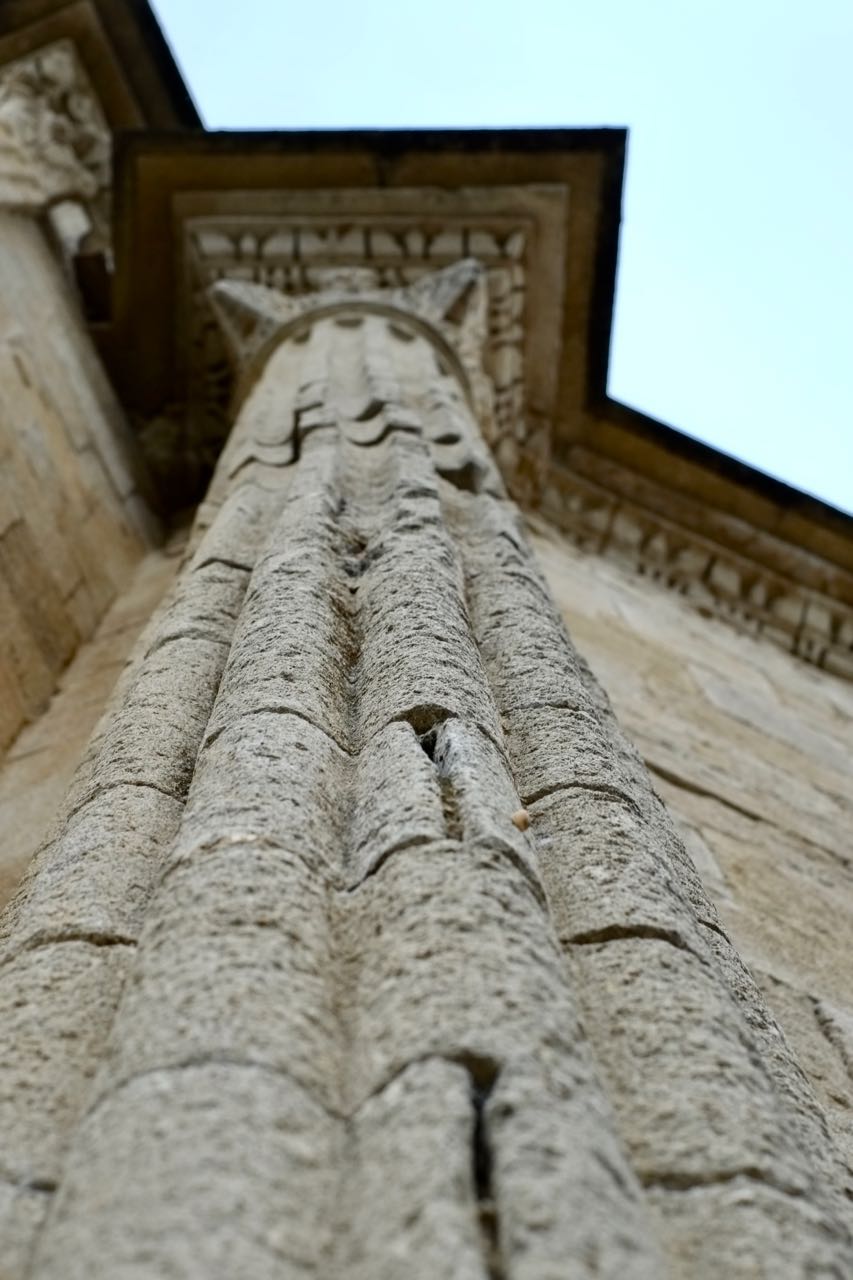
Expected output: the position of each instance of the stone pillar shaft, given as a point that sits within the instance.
(335, 1009)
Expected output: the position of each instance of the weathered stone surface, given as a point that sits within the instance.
(448, 955)
(95, 879)
(519, 631)
(397, 801)
(56, 1005)
(212, 1170)
(97, 870)
(425, 980)
(748, 1230)
(36, 772)
(290, 646)
(568, 1203)
(479, 794)
(407, 1200)
(819, 1036)
(71, 528)
(54, 138)
(22, 1212)
(418, 657)
(608, 873)
(693, 1103)
(152, 737)
(760, 803)
(235, 965)
(274, 777)
(564, 744)
(206, 605)
(804, 1117)
(554, 748)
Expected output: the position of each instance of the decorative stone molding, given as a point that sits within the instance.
(303, 257)
(770, 600)
(55, 143)
(413, 363)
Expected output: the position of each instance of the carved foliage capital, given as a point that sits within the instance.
(54, 140)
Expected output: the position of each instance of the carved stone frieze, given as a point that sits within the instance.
(55, 143)
(763, 599)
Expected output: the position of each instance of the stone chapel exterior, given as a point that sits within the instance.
(355, 922)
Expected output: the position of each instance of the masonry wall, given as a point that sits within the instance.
(73, 521)
(750, 748)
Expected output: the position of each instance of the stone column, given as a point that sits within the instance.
(363, 946)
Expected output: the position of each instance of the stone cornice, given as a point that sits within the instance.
(725, 568)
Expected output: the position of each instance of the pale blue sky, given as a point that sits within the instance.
(735, 284)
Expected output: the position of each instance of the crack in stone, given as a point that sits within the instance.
(830, 1033)
(240, 839)
(276, 709)
(82, 937)
(620, 932)
(674, 1181)
(695, 789)
(411, 842)
(597, 788)
(189, 634)
(223, 560)
(483, 1074)
(39, 1186)
(111, 786)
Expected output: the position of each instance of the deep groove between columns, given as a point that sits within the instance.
(483, 1075)
(355, 555)
(447, 792)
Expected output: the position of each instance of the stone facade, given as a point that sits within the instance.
(360, 940)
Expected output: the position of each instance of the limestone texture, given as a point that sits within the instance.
(336, 1010)
(749, 749)
(74, 499)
